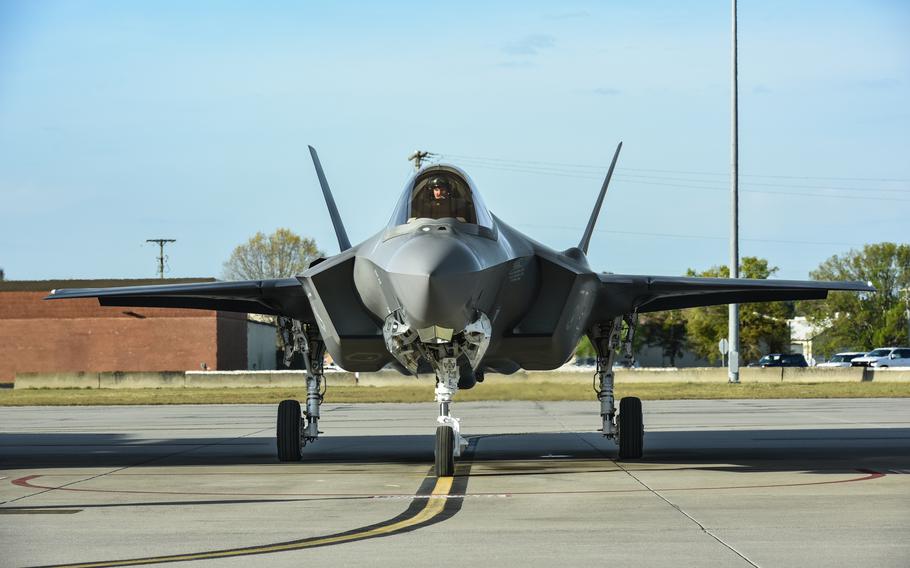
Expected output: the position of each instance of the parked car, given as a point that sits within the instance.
(884, 357)
(842, 359)
(782, 360)
(900, 357)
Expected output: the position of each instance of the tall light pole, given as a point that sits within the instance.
(733, 331)
(906, 292)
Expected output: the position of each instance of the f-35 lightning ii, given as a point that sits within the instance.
(448, 288)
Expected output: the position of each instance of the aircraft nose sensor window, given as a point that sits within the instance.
(442, 195)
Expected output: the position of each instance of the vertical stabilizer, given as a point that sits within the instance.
(343, 242)
(589, 230)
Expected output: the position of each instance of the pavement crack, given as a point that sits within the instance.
(683, 512)
(678, 509)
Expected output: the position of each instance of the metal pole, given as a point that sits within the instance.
(907, 301)
(733, 331)
(161, 259)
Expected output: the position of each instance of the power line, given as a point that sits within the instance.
(690, 236)
(564, 165)
(625, 179)
(568, 173)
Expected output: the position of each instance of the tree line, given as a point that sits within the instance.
(845, 321)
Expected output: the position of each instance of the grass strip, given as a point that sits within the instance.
(424, 393)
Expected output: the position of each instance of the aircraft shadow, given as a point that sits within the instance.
(814, 450)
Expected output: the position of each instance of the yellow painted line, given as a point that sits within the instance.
(39, 511)
(435, 505)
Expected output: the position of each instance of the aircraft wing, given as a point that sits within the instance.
(623, 294)
(282, 296)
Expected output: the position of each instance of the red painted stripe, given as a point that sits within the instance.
(26, 482)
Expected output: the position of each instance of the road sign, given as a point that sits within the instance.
(724, 346)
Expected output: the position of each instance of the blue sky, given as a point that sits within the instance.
(122, 121)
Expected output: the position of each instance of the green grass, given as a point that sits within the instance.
(527, 391)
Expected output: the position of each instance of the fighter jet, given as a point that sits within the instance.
(447, 287)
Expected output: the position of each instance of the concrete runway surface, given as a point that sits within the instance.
(723, 483)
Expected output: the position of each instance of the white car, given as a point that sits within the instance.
(900, 357)
(884, 357)
(842, 359)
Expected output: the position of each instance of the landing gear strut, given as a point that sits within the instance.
(295, 428)
(449, 441)
(628, 429)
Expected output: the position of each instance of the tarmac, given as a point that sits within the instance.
(723, 483)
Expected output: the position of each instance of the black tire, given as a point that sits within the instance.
(289, 431)
(631, 429)
(445, 451)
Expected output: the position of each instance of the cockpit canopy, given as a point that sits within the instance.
(441, 192)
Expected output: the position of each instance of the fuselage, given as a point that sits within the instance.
(440, 281)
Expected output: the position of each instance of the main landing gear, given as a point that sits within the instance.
(296, 425)
(628, 428)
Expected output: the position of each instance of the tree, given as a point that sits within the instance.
(863, 321)
(763, 325)
(280, 255)
(666, 330)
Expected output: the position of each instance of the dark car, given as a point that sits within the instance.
(782, 360)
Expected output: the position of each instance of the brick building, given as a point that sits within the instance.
(81, 335)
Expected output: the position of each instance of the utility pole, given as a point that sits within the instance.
(161, 257)
(418, 157)
(733, 330)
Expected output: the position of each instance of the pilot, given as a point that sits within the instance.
(442, 203)
(440, 188)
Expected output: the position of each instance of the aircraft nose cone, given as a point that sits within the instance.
(431, 255)
(435, 281)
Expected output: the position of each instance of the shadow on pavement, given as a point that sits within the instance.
(815, 450)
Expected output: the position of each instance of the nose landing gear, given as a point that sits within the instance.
(449, 441)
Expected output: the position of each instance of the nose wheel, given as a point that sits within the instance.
(445, 451)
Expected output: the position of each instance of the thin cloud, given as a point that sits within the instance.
(567, 15)
(607, 91)
(516, 64)
(881, 83)
(530, 45)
